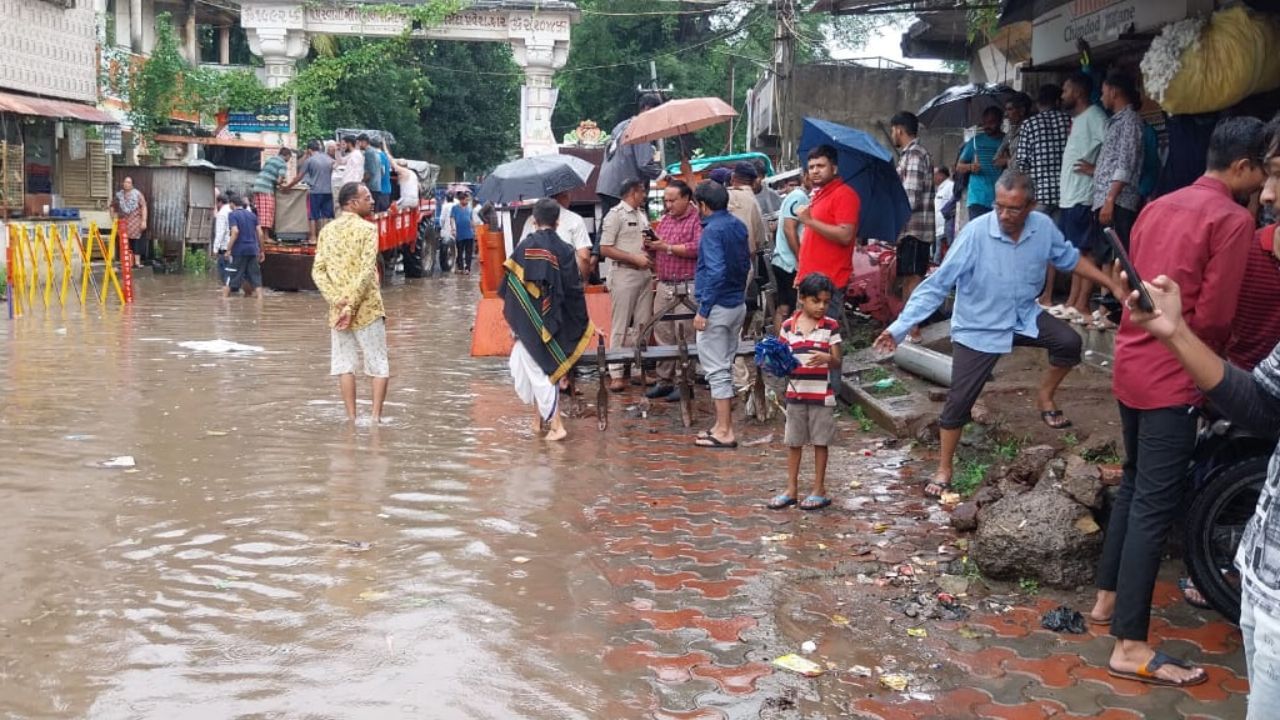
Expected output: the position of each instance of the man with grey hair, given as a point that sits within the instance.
(996, 267)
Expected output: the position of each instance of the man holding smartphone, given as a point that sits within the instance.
(1198, 236)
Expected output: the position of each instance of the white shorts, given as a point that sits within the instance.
(372, 342)
(533, 384)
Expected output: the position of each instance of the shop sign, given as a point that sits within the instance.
(274, 118)
(112, 140)
(1055, 33)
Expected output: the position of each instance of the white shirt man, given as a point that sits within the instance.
(447, 230)
(941, 197)
(221, 228)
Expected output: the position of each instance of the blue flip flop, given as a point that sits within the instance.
(815, 502)
(780, 502)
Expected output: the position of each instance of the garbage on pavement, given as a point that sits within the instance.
(799, 665)
(1063, 619)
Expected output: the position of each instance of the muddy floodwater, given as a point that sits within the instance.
(261, 560)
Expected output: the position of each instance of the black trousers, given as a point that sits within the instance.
(466, 252)
(970, 368)
(1158, 445)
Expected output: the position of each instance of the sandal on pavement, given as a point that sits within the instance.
(1055, 419)
(711, 441)
(1147, 673)
(1059, 311)
(1101, 321)
(1191, 594)
(935, 483)
(1074, 317)
(815, 502)
(782, 501)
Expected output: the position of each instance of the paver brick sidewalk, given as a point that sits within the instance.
(709, 587)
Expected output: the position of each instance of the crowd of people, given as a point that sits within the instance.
(1028, 199)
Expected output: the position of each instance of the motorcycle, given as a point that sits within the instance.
(1227, 473)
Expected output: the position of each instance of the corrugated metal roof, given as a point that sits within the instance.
(60, 109)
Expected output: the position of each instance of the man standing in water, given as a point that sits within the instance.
(345, 271)
(544, 305)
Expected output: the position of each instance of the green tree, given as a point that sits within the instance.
(700, 50)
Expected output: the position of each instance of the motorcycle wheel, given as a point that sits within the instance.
(448, 254)
(421, 261)
(1215, 524)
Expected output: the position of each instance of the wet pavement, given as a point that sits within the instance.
(261, 560)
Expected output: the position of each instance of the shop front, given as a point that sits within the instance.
(52, 157)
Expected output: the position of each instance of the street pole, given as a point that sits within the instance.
(665, 94)
(784, 57)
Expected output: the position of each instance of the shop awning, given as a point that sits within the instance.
(59, 109)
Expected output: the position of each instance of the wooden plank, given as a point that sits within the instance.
(658, 352)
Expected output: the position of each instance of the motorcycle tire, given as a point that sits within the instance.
(424, 251)
(1229, 495)
(448, 254)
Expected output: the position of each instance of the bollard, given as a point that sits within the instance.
(928, 364)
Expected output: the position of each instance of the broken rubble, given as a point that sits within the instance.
(1040, 534)
(1030, 463)
(965, 516)
(1082, 482)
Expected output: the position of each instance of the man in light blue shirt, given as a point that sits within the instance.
(996, 267)
(786, 248)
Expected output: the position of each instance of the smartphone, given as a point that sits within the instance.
(1135, 282)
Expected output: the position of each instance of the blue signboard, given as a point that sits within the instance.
(273, 118)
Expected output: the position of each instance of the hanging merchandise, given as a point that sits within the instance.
(1198, 65)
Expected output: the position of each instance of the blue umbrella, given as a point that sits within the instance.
(869, 169)
(774, 356)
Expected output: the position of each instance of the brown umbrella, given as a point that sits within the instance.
(677, 117)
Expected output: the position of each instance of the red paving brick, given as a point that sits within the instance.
(735, 680)
(987, 662)
(1033, 710)
(1053, 671)
(727, 629)
(1018, 622)
(1213, 637)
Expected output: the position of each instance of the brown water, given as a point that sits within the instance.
(263, 561)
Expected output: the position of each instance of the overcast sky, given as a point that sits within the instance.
(888, 43)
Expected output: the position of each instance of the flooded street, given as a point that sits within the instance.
(262, 560)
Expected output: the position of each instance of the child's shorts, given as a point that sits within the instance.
(810, 425)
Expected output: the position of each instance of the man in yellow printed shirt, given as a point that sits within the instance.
(346, 272)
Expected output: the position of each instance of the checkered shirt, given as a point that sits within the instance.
(1039, 152)
(915, 169)
(682, 231)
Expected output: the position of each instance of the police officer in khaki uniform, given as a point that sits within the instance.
(630, 274)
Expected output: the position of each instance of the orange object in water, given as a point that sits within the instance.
(491, 336)
(493, 253)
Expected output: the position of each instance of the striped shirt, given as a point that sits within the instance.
(1255, 328)
(683, 231)
(810, 385)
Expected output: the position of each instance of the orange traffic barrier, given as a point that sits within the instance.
(491, 336)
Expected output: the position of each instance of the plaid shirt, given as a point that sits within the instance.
(1039, 152)
(915, 169)
(683, 231)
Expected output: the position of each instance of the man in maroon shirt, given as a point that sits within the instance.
(1199, 236)
(1256, 327)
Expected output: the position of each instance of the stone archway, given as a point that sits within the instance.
(538, 30)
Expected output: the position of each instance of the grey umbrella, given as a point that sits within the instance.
(962, 105)
(534, 177)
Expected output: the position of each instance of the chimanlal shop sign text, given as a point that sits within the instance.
(1055, 33)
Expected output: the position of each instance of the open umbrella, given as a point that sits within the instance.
(534, 177)
(963, 105)
(869, 169)
(677, 117)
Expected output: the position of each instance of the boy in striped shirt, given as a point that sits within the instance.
(815, 341)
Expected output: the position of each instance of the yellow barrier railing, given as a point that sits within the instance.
(44, 258)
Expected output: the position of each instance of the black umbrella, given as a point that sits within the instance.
(534, 177)
(963, 105)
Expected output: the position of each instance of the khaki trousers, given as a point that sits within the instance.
(630, 294)
(664, 333)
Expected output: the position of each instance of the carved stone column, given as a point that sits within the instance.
(540, 60)
(280, 49)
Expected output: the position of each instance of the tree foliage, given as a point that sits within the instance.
(698, 49)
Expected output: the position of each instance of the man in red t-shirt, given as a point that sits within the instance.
(830, 223)
(1255, 328)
